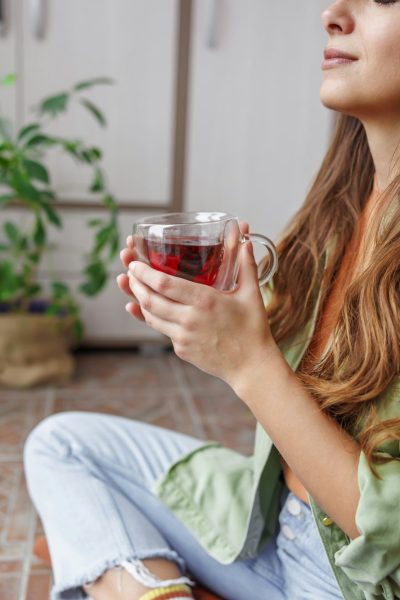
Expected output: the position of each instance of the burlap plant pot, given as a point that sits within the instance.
(35, 349)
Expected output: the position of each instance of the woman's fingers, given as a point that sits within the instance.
(166, 328)
(127, 255)
(135, 311)
(173, 288)
(159, 306)
(244, 227)
(123, 284)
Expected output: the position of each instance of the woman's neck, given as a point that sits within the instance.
(384, 144)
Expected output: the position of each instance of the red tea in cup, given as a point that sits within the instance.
(191, 258)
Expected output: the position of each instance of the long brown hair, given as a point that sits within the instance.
(364, 356)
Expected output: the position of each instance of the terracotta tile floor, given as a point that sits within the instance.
(155, 387)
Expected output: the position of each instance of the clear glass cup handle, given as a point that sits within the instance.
(270, 271)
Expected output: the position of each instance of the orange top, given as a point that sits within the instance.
(329, 316)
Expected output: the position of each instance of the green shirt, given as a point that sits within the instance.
(230, 502)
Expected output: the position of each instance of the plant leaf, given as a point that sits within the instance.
(51, 214)
(27, 130)
(90, 288)
(32, 290)
(102, 237)
(114, 244)
(36, 171)
(48, 194)
(12, 232)
(8, 147)
(94, 269)
(78, 330)
(34, 257)
(54, 105)
(96, 278)
(9, 79)
(71, 146)
(60, 289)
(53, 309)
(109, 202)
(25, 190)
(91, 155)
(40, 140)
(84, 85)
(98, 182)
(10, 282)
(23, 243)
(94, 110)
(95, 222)
(39, 234)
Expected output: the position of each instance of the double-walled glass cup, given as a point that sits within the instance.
(201, 246)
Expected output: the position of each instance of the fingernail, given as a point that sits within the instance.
(127, 306)
(132, 266)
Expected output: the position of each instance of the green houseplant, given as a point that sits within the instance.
(39, 324)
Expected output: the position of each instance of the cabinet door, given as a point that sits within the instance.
(257, 129)
(139, 44)
(135, 43)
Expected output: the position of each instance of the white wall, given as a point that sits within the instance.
(257, 129)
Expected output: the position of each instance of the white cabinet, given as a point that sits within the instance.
(135, 43)
(254, 128)
(142, 45)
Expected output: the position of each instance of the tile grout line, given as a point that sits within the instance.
(10, 458)
(11, 501)
(160, 411)
(187, 397)
(49, 402)
(48, 409)
(27, 558)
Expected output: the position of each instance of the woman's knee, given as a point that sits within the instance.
(52, 436)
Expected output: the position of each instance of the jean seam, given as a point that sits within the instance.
(123, 539)
(117, 467)
(267, 574)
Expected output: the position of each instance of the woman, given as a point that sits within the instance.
(314, 512)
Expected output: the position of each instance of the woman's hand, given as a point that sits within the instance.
(223, 333)
(127, 255)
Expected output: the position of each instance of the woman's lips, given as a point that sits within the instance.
(334, 58)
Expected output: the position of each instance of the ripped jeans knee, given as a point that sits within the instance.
(138, 570)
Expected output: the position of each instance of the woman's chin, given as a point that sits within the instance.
(339, 101)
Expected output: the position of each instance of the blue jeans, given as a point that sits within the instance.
(90, 477)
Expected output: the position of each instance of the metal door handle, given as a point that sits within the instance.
(2, 19)
(38, 10)
(214, 24)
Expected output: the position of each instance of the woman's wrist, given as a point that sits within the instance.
(260, 371)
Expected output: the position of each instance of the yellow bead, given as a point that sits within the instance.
(161, 592)
(327, 521)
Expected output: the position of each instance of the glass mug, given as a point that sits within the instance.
(200, 246)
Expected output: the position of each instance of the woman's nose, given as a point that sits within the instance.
(337, 18)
